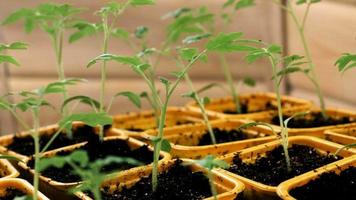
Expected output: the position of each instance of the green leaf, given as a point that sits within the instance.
(164, 81)
(141, 2)
(228, 42)
(209, 162)
(205, 100)
(346, 62)
(195, 38)
(166, 146)
(13, 46)
(209, 86)
(111, 57)
(249, 81)
(176, 13)
(8, 59)
(299, 2)
(295, 115)
(7, 157)
(274, 49)
(190, 94)
(141, 32)
(112, 8)
(134, 98)
(255, 55)
(91, 119)
(188, 53)
(84, 29)
(83, 99)
(244, 4)
(288, 60)
(141, 68)
(228, 3)
(58, 86)
(120, 33)
(17, 15)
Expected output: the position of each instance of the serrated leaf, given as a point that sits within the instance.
(249, 81)
(274, 49)
(188, 53)
(8, 59)
(346, 62)
(289, 70)
(120, 33)
(84, 29)
(176, 13)
(195, 38)
(83, 99)
(111, 57)
(141, 32)
(141, 2)
(90, 119)
(244, 4)
(134, 98)
(291, 59)
(255, 55)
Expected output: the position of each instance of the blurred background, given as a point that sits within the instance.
(330, 31)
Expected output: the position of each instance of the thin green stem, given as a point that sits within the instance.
(35, 136)
(313, 77)
(230, 82)
(284, 131)
(58, 44)
(212, 185)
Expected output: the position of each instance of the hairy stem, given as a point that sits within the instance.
(300, 27)
(35, 136)
(284, 131)
(212, 185)
(230, 82)
(202, 109)
(58, 44)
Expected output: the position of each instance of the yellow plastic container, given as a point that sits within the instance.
(257, 105)
(133, 124)
(256, 190)
(55, 186)
(184, 139)
(19, 184)
(316, 131)
(227, 187)
(7, 170)
(342, 136)
(47, 130)
(284, 188)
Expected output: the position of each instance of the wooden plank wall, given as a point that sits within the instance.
(261, 22)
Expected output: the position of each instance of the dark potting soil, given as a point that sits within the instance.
(11, 193)
(329, 186)
(178, 183)
(179, 122)
(97, 149)
(316, 120)
(244, 109)
(271, 169)
(25, 145)
(222, 136)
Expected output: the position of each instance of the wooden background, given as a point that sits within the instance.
(331, 31)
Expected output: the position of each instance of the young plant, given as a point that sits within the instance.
(109, 15)
(33, 101)
(90, 172)
(209, 163)
(300, 25)
(53, 19)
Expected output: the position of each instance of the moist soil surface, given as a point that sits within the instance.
(244, 109)
(97, 149)
(11, 193)
(271, 169)
(178, 183)
(25, 145)
(223, 136)
(329, 186)
(316, 120)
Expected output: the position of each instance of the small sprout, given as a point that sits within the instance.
(346, 62)
(90, 172)
(344, 147)
(209, 163)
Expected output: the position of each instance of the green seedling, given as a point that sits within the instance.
(53, 19)
(13, 46)
(209, 163)
(346, 62)
(90, 172)
(33, 101)
(109, 15)
(300, 25)
(348, 146)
